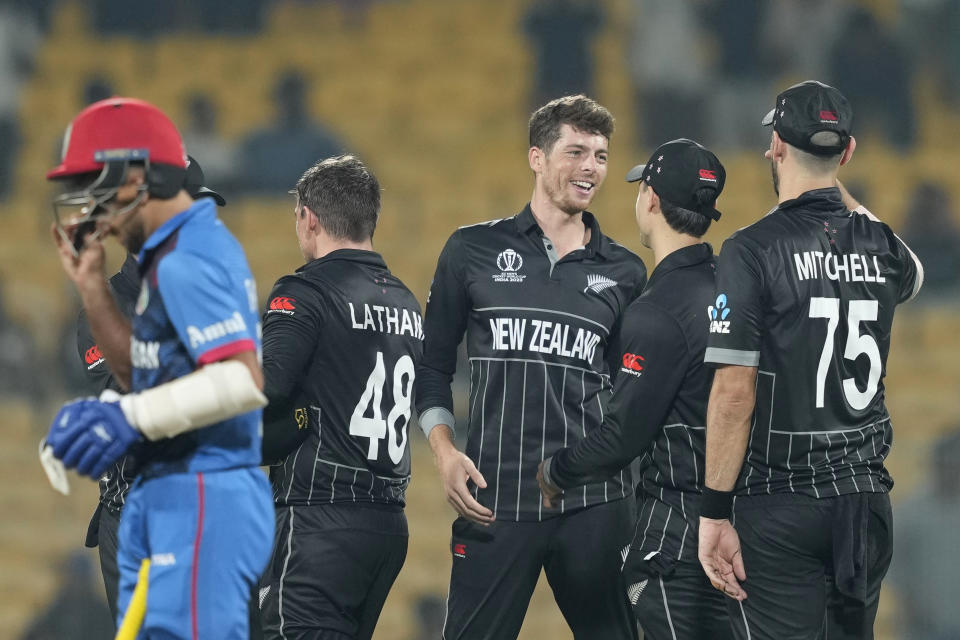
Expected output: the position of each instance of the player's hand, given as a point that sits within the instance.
(548, 490)
(90, 435)
(719, 552)
(455, 469)
(86, 267)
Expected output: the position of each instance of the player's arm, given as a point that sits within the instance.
(291, 329)
(109, 328)
(91, 358)
(912, 278)
(651, 357)
(210, 313)
(445, 321)
(735, 339)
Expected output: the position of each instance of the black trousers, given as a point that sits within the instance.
(496, 568)
(814, 567)
(675, 600)
(331, 570)
(102, 533)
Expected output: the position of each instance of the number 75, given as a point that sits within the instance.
(857, 344)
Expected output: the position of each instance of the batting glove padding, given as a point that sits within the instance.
(90, 435)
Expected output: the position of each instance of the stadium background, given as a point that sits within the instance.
(434, 96)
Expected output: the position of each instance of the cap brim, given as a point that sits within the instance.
(635, 174)
(204, 192)
(768, 119)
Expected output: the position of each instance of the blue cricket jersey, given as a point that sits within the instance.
(198, 304)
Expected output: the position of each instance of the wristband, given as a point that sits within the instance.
(717, 505)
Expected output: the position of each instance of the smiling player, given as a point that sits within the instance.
(539, 295)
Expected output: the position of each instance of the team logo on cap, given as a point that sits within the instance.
(829, 116)
(708, 175)
(509, 262)
(718, 313)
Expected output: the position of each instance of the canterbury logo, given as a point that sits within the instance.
(282, 303)
(93, 355)
(598, 283)
(632, 361)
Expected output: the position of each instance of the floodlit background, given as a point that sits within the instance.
(434, 95)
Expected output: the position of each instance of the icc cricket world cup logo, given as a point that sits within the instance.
(509, 262)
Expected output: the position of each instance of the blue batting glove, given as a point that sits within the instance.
(90, 435)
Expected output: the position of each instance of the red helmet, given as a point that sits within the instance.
(119, 129)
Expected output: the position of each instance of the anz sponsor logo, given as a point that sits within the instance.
(144, 355)
(217, 330)
(718, 313)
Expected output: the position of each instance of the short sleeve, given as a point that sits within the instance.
(208, 308)
(736, 315)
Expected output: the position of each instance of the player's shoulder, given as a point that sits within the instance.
(874, 225)
(304, 285)
(622, 254)
(481, 232)
(207, 235)
(188, 263)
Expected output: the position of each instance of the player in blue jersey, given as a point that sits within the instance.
(198, 525)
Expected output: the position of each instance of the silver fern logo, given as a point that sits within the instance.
(598, 283)
(636, 590)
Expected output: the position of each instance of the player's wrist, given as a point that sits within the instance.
(716, 505)
(547, 470)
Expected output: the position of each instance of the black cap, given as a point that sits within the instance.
(194, 183)
(809, 108)
(678, 169)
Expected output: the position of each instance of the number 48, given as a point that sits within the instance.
(857, 344)
(375, 427)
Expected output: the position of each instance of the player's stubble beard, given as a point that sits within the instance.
(131, 231)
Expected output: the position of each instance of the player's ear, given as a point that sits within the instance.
(848, 152)
(535, 158)
(310, 217)
(778, 148)
(653, 202)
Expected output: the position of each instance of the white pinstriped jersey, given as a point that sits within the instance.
(538, 339)
(807, 294)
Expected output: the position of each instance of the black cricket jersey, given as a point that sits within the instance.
(125, 287)
(538, 340)
(658, 409)
(342, 338)
(807, 295)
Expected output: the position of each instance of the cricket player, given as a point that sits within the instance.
(342, 338)
(539, 295)
(795, 521)
(197, 525)
(659, 404)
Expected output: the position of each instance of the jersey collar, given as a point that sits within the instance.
(599, 244)
(826, 201)
(204, 207)
(353, 255)
(686, 257)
